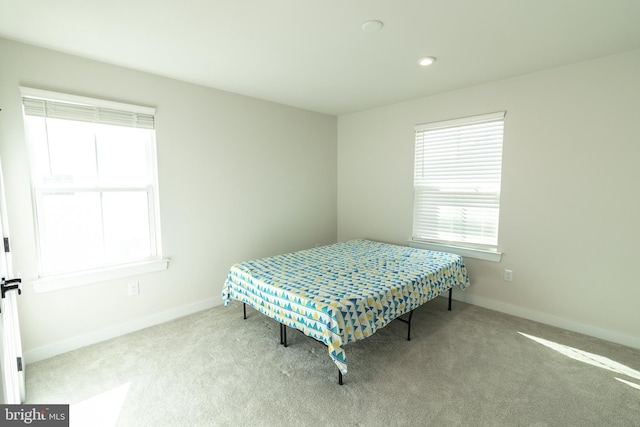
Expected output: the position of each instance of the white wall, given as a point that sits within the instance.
(242, 178)
(238, 178)
(570, 200)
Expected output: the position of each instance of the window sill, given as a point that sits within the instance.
(63, 281)
(483, 254)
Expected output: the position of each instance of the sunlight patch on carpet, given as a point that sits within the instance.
(586, 357)
(101, 410)
(629, 383)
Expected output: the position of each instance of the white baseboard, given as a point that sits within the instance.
(548, 319)
(83, 340)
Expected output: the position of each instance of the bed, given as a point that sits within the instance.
(344, 292)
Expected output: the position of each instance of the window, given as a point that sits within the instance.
(457, 182)
(94, 182)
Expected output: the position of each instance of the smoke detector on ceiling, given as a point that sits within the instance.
(372, 26)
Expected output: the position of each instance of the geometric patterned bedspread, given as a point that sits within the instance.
(344, 292)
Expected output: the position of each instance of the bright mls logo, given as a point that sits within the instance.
(35, 415)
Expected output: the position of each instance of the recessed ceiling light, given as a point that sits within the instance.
(371, 26)
(427, 60)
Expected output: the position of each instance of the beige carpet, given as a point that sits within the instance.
(467, 367)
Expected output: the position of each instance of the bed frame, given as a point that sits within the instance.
(344, 292)
(283, 328)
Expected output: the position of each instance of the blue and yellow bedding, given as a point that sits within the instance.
(344, 292)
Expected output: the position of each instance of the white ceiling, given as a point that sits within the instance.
(312, 54)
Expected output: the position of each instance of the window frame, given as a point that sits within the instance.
(488, 252)
(155, 262)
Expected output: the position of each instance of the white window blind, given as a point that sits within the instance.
(457, 179)
(93, 167)
(86, 113)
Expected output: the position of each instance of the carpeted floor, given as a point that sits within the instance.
(467, 367)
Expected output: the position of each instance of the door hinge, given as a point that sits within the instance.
(7, 248)
(19, 364)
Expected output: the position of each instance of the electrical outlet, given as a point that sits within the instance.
(134, 288)
(508, 275)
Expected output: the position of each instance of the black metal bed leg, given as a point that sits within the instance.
(283, 334)
(339, 377)
(450, 294)
(244, 310)
(284, 330)
(408, 322)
